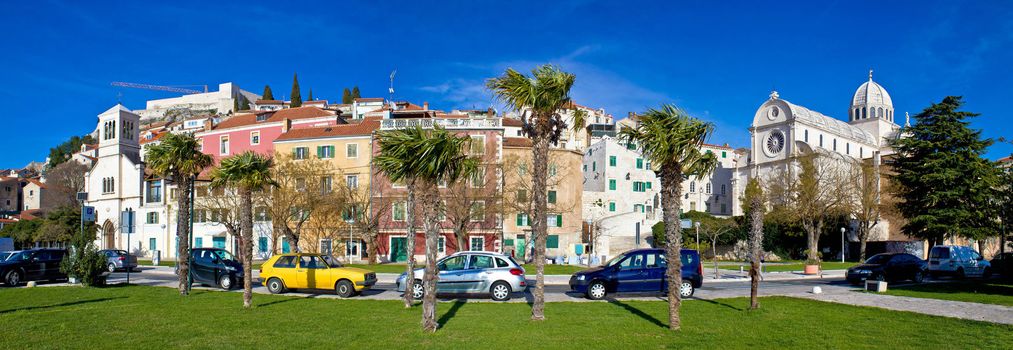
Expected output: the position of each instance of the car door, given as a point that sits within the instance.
(53, 265)
(451, 275)
(655, 266)
(631, 274)
(35, 267)
(476, 277)
(204, 266)
(976, 260)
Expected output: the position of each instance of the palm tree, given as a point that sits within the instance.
(425, 158)
(539, 100)
(671, 139)
(178, 158)
(245, 173)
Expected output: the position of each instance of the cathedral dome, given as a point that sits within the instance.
(871, 101)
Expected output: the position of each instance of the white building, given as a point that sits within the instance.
(713, 194)
(114, 181)
(220, 102)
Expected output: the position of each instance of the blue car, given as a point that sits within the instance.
(640, 270)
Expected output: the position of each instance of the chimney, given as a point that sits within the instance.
(425, 105)
(490, 113)
(286, 125)
(208, 123)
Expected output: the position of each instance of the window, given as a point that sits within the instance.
(151, 244)
(108, 185)
(523, 169)
(152, 218)
(722, 189)
(692, 186)
(552, 197)
(441, 244)
(312, 261)
(835, 144)
(399, 211)
(478, 178)
(300, 153)
(326, 246)
(552, 169)
(481, 262)
(452, 264)
(638, 208)
(724, 208)
(612, 206)
(285, 262)
(522, 196)
(352, 150)
(477, 211)
(724, 154)
(864, 115)
(708, 188)
(554, 220)
(254, 137)
(585, 167)
(847, 148)
(640, 163)
(612, 184)
(692, 206)
(325, 152)
(648, 183)
(352, 181)
(154, 192)
(612, 160)
(805, 136)
(262, 244)
(821, 140)
(632, 262)
(594, 166)
(325, 184)
(523, 220)
(300, 184)
(348, 214)
(707, 206)
(260, 214)
(477, 244)
(198, 242)
(861, 152)
(223, 146)
(552, 241)
(477, 145)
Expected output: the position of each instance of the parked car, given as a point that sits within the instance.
(1003, 264)
(216, 267)
(314, 271)
(7, 254)
(639, 270)
(119, 260)
(958, 261)
(32, 265)
(888, 267)
(471, 272)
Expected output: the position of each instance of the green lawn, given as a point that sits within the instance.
(151, 317)
(991, 292)
(789, 266)
(529, 268)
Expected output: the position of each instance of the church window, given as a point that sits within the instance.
(863, 113)
(805, 134)
(821, 140)
(880, 114)
(692, 186)
(722, 189)
(708, 188)
(847, 148)
(856, 113)
(861, 152)
(835, 144)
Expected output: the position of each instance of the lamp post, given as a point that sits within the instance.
(697, 225)
(842, 244)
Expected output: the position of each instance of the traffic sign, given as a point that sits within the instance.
(88, 213)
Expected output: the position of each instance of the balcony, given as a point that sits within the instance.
(446, 123)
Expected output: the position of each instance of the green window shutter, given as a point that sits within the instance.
(331, 148)
(612, 185)
(640, 163)
(724, 154)
(552, 241)
(552, 197)
(594, 166)
(508, 242)
(612, 160)
(559, 220)
(519, 216)
(648, 185)
(612, 206)
(320, 151)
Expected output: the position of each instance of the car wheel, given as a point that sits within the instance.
(596, 290)
(111, 267)
(987, 273)
(275, 286)
(500, 291)
(960, 273)
(686, 289)
(344, 289)
(919, 277)
(13, 279)
(225, 282)
(417, 290)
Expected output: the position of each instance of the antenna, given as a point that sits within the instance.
(391, 89)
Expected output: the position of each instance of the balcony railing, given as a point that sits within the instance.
(446, 123)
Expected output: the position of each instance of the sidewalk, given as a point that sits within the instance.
(936, 307)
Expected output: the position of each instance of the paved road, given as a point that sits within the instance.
(553, 292)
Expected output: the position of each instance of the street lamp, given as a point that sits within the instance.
(697, 225)
(842, 244)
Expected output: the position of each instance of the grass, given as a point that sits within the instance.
(152, 317)
(990, 292)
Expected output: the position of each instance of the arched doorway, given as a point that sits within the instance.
(108, 235)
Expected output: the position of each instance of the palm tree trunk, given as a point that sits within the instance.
(756, 250)
(539, 226)
(430, 202)
(410, 244)
(671, 185)
(183, 234)
(246, 244)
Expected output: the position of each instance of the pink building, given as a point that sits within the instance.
(257, 131)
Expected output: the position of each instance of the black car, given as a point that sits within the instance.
(1003, 264)
(216, 267)
(889, 267)
(32, 265)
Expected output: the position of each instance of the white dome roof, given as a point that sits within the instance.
(871, 94)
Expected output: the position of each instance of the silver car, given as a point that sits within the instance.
(472, 272)
(119, 260)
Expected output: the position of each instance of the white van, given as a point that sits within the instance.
(957, 261)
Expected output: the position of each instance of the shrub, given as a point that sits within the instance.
(84, 262)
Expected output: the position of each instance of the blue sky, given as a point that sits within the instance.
(718, 60)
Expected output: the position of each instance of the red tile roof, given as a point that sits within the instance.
(1006, 160)
(31, 214)
(516, 142)
(269, 102)
(369, 99)
(274, 116)
(36, 182)
(365, 127)
(155, 136)
(513, 122)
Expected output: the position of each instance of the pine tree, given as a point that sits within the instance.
(355, 92)
(346, 96)
(267, 93)
(311, 95)
(942, 179)
(296, 96)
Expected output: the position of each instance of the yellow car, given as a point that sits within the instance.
(314, 271)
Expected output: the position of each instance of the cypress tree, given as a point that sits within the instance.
(267, 95)
(355, 92)
(942, 179)
(311, 95)
(346, 96)
(296, 96)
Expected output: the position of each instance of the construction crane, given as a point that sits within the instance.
(160, 87)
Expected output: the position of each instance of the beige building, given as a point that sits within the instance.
(564, 198)
(34, 196)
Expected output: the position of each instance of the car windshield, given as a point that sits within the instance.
(16, 256)
(878, 259)
(615, 260)
(939, 253)
(331, 261)
(120, 252)
(224, 255)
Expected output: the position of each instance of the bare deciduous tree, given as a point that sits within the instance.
(300, 194)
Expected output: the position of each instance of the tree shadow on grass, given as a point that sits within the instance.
(638, 312)
(450, 313)
(715, 302)
(71, 303)
(288, 299)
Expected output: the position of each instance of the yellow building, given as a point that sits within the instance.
(564, 200)
(346, 148)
